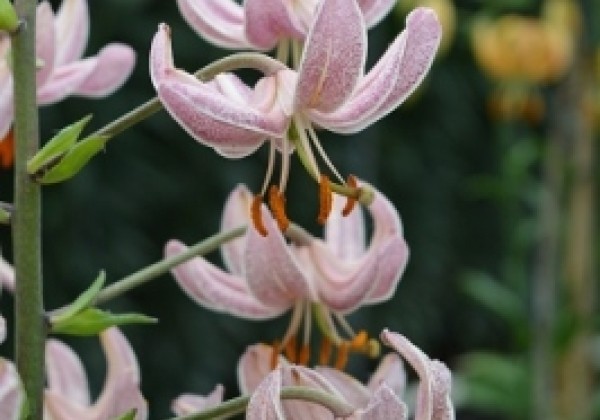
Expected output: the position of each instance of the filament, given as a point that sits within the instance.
(317, 143)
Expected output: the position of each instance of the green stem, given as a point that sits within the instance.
(157, 269)
(26, 233)
(238, 405)
(256, 61)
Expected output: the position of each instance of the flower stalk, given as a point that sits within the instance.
(26, 232)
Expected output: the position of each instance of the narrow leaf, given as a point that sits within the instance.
(75, 159)
(92, 321)
(82, 302)
(130, 415)
(60, 144)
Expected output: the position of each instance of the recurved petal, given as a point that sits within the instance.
(218, 21)
(235, 214)
(65, 80)
(391, 373)
(65, 374)
(268, 21)
(351, 390)
(333, 58)
(45, 42)
(421, 364)
(12, 395)
(114, 64)
(212, 288)
(273, 275)
(190, 403)
(383, 405)
(255, 365)
(72, 26)
(442, 382)
(265, 403)
(6, 98)
(7, 275)
(371, 91)
(293, 375)
(375, 10)
(423, 34)
(345, 235)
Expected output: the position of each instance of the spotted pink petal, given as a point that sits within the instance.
(254, 366)
(442, 382)
(187, 404)
(218, 21)
(293, 375)
(333, 58)
(265, 403)
(12, 395)
(65, 80)
(72, 26)
(384, 404)
(65, 374)
(272, 273)
(345, 235)
(235, 214)
(45, 42)
(231, 125)
(350, 389)
(390, 372)
(212, 288)
(114, 64)
(268, 21)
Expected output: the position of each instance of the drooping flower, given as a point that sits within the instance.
(60, 43)
(330, 89)
(332, 277)
(67, 394)
(262, 24)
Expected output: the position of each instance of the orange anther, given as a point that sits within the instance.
(291, 351)
(359, 341)
(342, 356)
(256, 215)
(325, 353)
(277, 205)
(350, 201)
(304, 355)
(7, 150)
(275, 350)
(325, 199)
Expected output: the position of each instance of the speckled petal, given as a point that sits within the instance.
(12, 395)
(254, 366)
(265, 403)
(269, 21)
(333, 58)
(375, 10)
(383, 405)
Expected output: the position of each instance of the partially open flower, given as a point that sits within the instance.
(60, 43)
(262, 24)
(330, 277)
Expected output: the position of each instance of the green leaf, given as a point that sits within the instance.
(92, 321)
(59, 145)
(75, 159)
(82, 302)
(130, 415)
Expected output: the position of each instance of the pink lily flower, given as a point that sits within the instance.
(329, 90)
(267, 276)
(262, 24)
(380, 399)
(60, 42)
(67, 393)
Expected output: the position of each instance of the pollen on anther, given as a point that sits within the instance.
(290, 350)
(325, 352)
(342, 356)
(350, 201)
(304, 355)
(256, 215)
(359, 341)
(277, 205)
(275, 350)
(325, 199)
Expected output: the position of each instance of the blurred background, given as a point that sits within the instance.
(491, 164)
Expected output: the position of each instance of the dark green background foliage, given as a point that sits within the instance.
(154, 183)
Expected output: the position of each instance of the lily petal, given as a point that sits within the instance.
(114, 64)
(293, 375)
(375, 10)
(72, 27)
(214, 289)
(268, 21)
(272, 273)
(65, 373)
(6, 97)
(345, 235)
(442, 382)
(265, 403)
(189, 403)
(65, 80)
(7, 275)
(383, 405)
(423, 36)
(235, 214)
(218, 21)
(254, 366)
(351, 389)
(391, 373)
(12, 395)
(333, 58)
(44, 41)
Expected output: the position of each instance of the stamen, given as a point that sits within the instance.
(345, 325)
(325, 352)
(325, 199)
(305, 153)
(350, 201)
(342, 356)
(290, 350)
(275, 350)
(285, 165)
(270, 167)
(317, 143)
(277, 205)
(256, 215)
(304, 355)
(360, 341)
